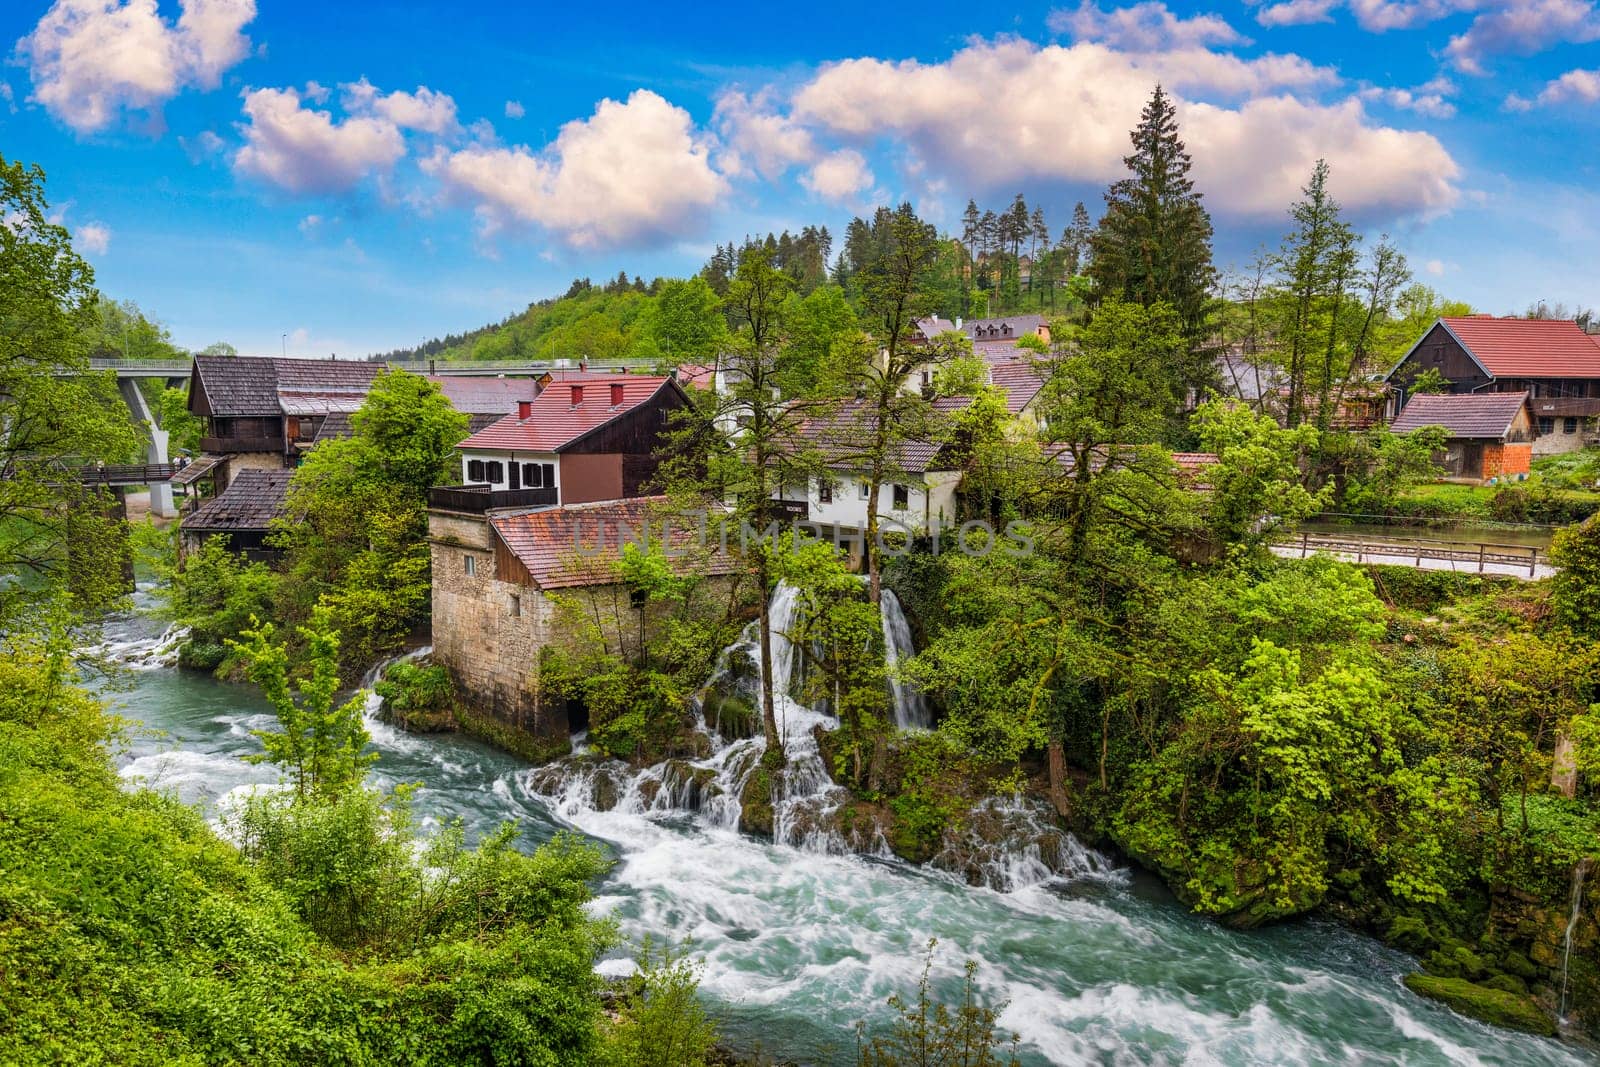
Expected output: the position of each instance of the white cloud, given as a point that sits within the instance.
(1296, 13)
(310, 225)
(304, 151)
(93, 238)
(1431, 99)
(1001, 112)
(201, 146)
(514, 109)
(1573, 87)
(839, 176)
(755, 135)
(7, 97)
(92, 59)
(633, 172)
(425, 110)
(1145, 27)
(1523, 27)
(1435, 267)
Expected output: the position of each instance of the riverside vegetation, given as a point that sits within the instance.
(1272, 737)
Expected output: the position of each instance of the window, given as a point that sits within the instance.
(494, 471)
(927, 379)
(824, 491)
(469, 565)
(539, 475)
(1546, 425)
(516, 606)
(1569, 425)
(866, 491)
(474, 470)
(902, 498)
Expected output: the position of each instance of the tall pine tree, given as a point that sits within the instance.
(1154, 243)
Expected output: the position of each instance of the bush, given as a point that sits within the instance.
(132, 934)
(418, 698)
(660, 1021)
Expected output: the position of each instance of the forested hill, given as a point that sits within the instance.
(1001, 263)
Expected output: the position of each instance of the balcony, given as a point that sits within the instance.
(242, 444)
(477, 499)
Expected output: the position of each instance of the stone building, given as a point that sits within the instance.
(502, 576)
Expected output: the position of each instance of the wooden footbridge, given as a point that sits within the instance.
(1424, 553)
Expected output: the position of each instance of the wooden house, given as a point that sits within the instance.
(1554, 362)
(241, 514)
(577, 441)
(1491, 434)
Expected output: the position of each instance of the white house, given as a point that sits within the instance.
(918, 497)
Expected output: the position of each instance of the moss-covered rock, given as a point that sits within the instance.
(531, 747)
(1498, 1007)
(755, 803)
(731, 716)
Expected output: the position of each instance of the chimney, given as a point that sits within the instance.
(577, 395)
(616, 393)
(524, 408)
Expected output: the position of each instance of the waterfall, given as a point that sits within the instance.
(1578, 873)
(808, 811)
(910, 705)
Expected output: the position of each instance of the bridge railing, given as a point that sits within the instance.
(1366, 548)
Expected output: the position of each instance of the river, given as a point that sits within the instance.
(1096, 966)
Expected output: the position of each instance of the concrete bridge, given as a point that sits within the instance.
(1423, 553)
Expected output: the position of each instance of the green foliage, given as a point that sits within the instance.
(1431, 380)
(1378, 466)
(132, 934)
(660, 1021)
(1256, 484)
(53, 414)
(217, 595)
(356, 533)
(417, 697)
(685, 322)
(1576, 585)
(931, 1033)
(318, 745)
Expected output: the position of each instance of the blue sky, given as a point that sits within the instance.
(359, 176)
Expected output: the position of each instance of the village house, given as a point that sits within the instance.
(1490, 438)
(501, 578)
(578, 441)
(241, 515)
(920, 495)
(1554, 362)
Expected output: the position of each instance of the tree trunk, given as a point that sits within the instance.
(1057, 758)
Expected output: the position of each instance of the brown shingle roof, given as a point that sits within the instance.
(840, 435)
(251, 501)
(579, 544)
(245, 385)
(1019, 379)
(1467, 415)
(485, 396)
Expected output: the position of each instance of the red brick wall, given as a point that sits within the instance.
(1506, 461)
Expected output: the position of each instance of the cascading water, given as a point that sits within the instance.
(798, 945)
(141, 651)
(1578, 873)
(910, 705)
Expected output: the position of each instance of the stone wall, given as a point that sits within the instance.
(249, 461)
(488, 631)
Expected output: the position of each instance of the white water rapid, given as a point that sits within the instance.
(800, 941)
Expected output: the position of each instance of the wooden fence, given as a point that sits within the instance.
(1419, 551)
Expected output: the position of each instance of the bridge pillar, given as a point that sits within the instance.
(155, 450)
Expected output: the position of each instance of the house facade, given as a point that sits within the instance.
(578, 441)
(1491, 434)
(240, 514)
(1554, 362)
(918, 497)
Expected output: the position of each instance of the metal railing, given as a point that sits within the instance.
(1368, 549)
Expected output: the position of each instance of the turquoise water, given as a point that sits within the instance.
(798, 946)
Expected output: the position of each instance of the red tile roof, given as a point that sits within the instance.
(579, 544)
(1528, 348)
(554, 421)
(1467, 415)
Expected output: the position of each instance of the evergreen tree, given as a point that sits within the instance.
(1154, 242)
